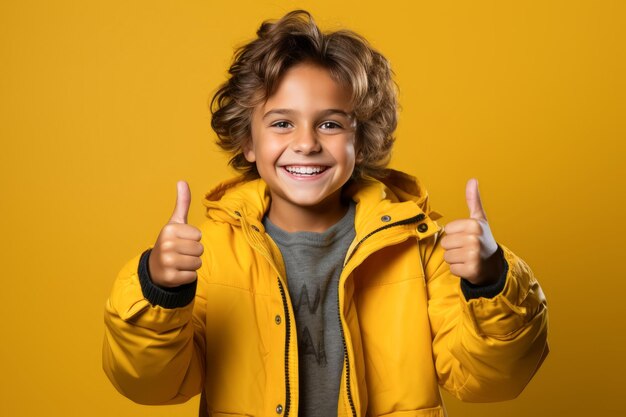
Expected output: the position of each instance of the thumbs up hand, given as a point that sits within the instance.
(175, 257)
(470, 249)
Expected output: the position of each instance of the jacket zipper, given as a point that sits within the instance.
(410, 220)
(287, 336)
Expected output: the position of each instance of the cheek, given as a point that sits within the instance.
(271, 150)
(347, 152)
(345, 156)
(268, 151)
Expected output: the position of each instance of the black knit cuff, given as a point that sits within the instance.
(165, 297)
(471, 291)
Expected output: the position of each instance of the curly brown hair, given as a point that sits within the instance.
(259, 65)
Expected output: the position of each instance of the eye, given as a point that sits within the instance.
(281, 124)
(330, 125)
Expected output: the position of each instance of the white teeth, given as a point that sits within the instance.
(308, 170)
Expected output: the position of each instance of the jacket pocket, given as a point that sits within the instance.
(424, 412)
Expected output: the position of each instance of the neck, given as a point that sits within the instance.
(292, 218)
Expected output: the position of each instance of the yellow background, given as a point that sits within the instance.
(104, 106)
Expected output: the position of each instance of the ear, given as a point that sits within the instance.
(358, 153)
(359, 158)
(248, 151)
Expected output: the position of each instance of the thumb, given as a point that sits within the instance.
(183, 199)
(472, 196)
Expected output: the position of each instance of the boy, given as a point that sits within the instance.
(320, 284)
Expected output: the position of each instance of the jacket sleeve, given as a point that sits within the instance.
(485, 349)
(153, 354)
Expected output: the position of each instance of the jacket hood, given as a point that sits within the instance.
(238, 197)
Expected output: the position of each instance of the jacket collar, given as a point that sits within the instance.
(397, 197)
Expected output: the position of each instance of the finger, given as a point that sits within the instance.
(188, 263)
(185, 277)
(187, 231)
(172, 231)
(189, 247)
(474, 204)
(464, 270)
(455, 256)
(460, 240)
(469, 226)
(183, 200)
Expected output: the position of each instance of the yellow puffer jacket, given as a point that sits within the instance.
(407, 327)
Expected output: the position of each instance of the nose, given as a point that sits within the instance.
(306, 142)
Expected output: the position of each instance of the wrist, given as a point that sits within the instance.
(490, 290)
(493, 268)
(174, 297)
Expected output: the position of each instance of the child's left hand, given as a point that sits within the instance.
(470, 249)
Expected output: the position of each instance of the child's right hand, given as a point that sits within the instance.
(175, 257)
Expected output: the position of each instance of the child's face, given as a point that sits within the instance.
(303, 140)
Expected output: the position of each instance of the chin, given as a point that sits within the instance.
(306, 201)
(312, 200)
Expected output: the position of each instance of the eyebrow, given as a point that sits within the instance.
(323, 113)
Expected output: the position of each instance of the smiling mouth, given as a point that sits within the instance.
(305, 171)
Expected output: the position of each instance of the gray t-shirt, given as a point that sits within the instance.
(313, 262)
